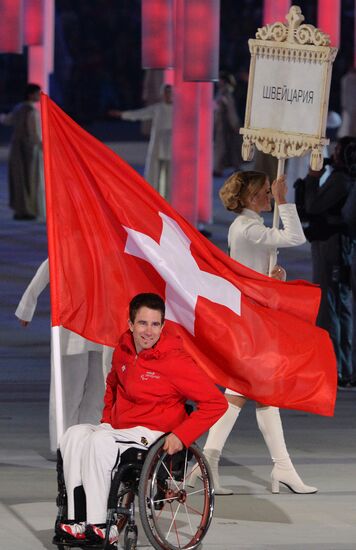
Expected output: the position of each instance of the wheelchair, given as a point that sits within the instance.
(174, 515)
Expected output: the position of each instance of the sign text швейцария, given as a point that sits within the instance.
(283, 93)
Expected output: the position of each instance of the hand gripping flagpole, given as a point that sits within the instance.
(58, 389)
(273, 255)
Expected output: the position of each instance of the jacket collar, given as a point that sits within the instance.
(251, 214)
(165, 344)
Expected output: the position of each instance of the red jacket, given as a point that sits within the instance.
(151, 388)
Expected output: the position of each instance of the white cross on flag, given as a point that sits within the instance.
(111, 236)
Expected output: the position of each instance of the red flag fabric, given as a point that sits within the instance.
(111, 236)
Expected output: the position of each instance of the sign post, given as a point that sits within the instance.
(288, 92)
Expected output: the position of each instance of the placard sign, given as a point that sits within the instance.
(288, 92)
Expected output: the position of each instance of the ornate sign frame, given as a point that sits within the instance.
(300, 44)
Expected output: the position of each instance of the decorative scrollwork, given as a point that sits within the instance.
(248, 150)
(283, 146)
(308, 34)
(277, 32)
(294, 32)
(316, 158)
(281, 51)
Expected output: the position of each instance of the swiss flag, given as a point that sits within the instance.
(111, 236)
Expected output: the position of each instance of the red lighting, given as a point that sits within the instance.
(191, 186)
(201, 40)
(11, 12)
(33, 22)
(36, 66)
(205, 155)
(157, 34)
(185, 150)
(329, 19)
(275, 10)
(185, 134)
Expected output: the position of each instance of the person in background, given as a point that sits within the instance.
(158, 158)
(84, 366)
(151, 93)
(349, 216)
(227, 141)
(348, 104)
(322, 195)
(25, 166)
(252, 243)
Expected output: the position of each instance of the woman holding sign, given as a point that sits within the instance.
(251, 243)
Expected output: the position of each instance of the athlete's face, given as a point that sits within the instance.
(146, 328)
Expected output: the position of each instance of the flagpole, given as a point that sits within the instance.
(273, 255)
(58, 390)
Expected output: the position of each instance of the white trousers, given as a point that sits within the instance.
(89, 454)
(83, 383)
(232, 392)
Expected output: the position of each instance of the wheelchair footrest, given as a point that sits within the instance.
(83, 543)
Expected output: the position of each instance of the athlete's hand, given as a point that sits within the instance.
(23, 323)
(172, 444)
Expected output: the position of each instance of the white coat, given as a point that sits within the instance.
(251, 242)
(159, 147)
(85, 366)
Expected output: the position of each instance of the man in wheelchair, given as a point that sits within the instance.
(152, 377)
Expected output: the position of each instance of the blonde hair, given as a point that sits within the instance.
(240, 187)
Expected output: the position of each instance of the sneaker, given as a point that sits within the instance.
(73, 530)
(100, 532)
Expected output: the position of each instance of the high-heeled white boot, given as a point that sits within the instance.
(213, 458)
(270, 425)
(215, 442)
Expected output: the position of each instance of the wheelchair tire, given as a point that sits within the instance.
(174, 515)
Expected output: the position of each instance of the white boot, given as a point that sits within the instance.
(213, 458)
(270, 425)
(215, 442)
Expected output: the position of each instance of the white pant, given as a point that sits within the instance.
(232, 392)
(89, 454)
(83, 383)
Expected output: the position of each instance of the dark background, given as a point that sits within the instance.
(98, 55)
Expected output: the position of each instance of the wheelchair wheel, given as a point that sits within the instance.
(175, 515)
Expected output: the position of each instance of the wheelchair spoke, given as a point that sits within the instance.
(170, 475)
(196, 492)
(174, 523)
(198, 512)
(188, 518)
(165, 499)
(185, 468)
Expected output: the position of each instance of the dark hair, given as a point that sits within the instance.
(31, 89)
(239, 187)
(146, 299)
(347, 154)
